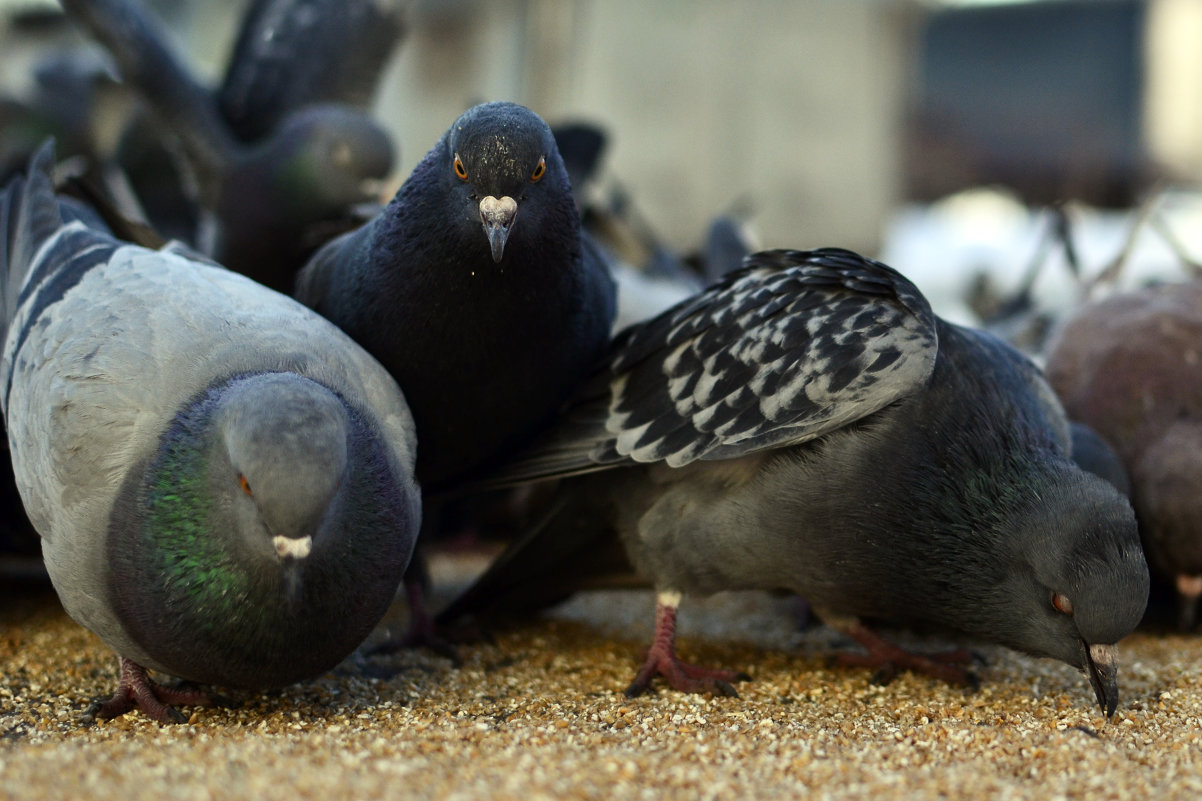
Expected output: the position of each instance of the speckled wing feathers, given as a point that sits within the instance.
(790, 347)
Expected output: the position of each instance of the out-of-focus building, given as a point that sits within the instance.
(821, 116)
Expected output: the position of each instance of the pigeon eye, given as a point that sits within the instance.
(540, 169)
(1062, 603)
(460, 170)
(244, 484)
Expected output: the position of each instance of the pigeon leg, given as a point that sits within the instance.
(423, 630)
(662, 660)
(1189, 589)
(888, 658)
(138, 690)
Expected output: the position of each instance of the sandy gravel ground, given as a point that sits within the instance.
(539, 714)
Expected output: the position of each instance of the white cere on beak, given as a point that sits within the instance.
(289, 546)
(669, 598)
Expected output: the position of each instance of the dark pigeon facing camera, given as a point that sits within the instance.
(222, 480)
(808, 424)
(473, 288)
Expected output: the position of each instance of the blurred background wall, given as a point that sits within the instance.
(819, 116)
(794, 108)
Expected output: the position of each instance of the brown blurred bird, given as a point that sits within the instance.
(1129, 366)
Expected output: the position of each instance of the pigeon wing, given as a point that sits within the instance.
(793, 345)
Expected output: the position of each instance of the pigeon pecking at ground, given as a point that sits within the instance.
(222, 480)
(270, 174)
(1128, 366)
(807, 424)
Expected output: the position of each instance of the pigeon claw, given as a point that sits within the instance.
(497, 216)
(138, 691)
(684, 677)
(888, 659)
(423, 630)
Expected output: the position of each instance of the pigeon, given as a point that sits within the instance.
(581, 145)
(221, 479)
(1127, 366)
(473, 288)
(1093, 453)
(270, 194)
(727, 243)
(71, 97)
(293, 53)
(807, 424)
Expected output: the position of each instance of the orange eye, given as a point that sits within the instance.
(540, 169)
(1062, 603)
(460, 170)
(244, 484)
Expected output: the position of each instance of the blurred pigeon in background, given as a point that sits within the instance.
(74, 98)
(294, 53)
(650, 275)
(223, 481)
(581, 146)
(309, 164)
(1093, 453)
(1127, 365)
(809, 425)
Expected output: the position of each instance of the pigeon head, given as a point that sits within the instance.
(322, 160)
(267, 519)
(508, 172)
(1078, 581)
(285, 440)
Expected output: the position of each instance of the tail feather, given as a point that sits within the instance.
(46, 247)
(29, 215)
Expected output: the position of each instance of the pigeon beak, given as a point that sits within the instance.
(1101, 665)
(294, 547)
(497, 216)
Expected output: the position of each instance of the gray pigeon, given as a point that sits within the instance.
(807, 424)
(222, 480)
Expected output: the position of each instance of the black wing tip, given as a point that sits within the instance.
(28, 214)
(30, 209)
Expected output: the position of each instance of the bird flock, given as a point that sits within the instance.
(236, 427)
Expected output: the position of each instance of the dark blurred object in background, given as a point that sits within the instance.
(1046, 98)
